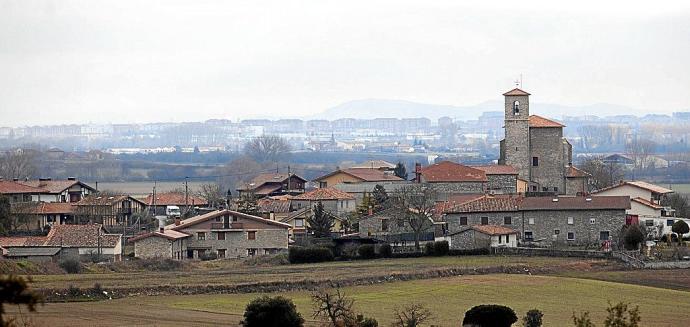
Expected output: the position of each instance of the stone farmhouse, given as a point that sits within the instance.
(482, 237)
(223, 233)
(45, 190)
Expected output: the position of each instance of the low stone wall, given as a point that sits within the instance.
(542, 252)
(667, 265)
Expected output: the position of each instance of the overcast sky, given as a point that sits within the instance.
(140, 61)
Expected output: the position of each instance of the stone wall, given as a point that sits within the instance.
(547, 145)
(444, 190)
(153, 247)
(237, 244)
(469, 240)
(575, 185)
(502, 184)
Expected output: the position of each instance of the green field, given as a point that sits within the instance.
(448, 299)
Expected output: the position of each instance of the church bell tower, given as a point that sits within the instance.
(516, 147)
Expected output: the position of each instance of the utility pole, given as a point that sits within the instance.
(186, 194)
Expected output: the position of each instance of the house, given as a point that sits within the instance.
(360, 190)
(384, 226)
(157, 205)
(636, 189)
(501, 179)
(376, 164)
(39, 215)
(69, 190)
(356, 175)
(109, 210)
(299, 222)
(334, 201)
(34, 254)
(223, 233)
(482, 237)
(573, 220)
(274, 184)
(577, 181)
(275, 207)
(452, 178)
(17, 192)
(79, 242)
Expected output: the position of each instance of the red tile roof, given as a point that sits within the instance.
(447, 171)
(516, 91)
(11, 187)
(174, 199)
(273, 205)
(43, 208)
(494, 230)
(643, 185)
(89, 236)
(167, 233)
(647, 203)
(539, 122)
(54, 186)
(488, 203)
(326, 193)
(574, 172)
(212, 215)
(365, 174)
(105, 200)
(497, 169)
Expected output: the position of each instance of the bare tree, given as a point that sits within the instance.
(212, 193)
(17, 164)
(640, 151)
(414, 206)
(269, 148)
(604, 174)
(333, 306)
(411, 315)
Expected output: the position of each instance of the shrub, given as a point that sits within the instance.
(366, 251)
(71, 266)
(309, 255)
(272, 312)
(349, 251)
(386, 251)
(268, 260)
(441, 248)
(490, 315)
(429, 248)
(680, 227)
(209, 256)
(366, 321)
(159, 264)
(532, 318)
(74, 292)
(632, 237)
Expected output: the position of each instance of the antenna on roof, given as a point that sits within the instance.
(518, 82)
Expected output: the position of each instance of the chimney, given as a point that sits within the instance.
(15, 179)
(418, 172)
(71, 178)
(161, 229)
(178, 221)
(370, 211)
(272, 215)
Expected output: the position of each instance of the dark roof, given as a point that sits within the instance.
(32, 251)
(497, 169)
(213, 214)
(365, 174)
(541, 122)
(516, 91)
(174, 199)
(326, 193)
(273, 205)
(375, 164)
(268, 178)
(447, 171)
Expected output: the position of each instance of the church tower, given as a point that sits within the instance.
(515, 148)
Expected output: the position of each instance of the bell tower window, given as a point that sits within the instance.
(516, 108)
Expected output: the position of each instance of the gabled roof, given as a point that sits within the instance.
(364, 174)
(32, 251)
(268, 178)
(639, 184)
(375, 164)
(574, 172)
(174, 199)
(515, 91)
(497, 169)
(89, 236)
(647, 203)
(447, 171)
(43, 208)
(326, 193)
(12, 187)
(273, 205)
(494, 230)
(55, 186)
(541, 122)
(213, 214)
(488, 203)
(105, 200)
(166, 233)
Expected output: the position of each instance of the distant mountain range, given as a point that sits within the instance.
(384, 108)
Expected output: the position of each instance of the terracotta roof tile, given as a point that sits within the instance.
(54, 186)
(11, 187)
(365, 174)
(447, 171)
(43, 208)
(494, 230)
(326, 193)
(104, 200)
(166, 233)
(539, 122)
(268, 178)
(647, 203)
(488, 203)
(81, 236)
(516, 91)
(497, 169)
(574, 172)
(273, 205)
(212, 215)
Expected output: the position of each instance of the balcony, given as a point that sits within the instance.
(227, 226)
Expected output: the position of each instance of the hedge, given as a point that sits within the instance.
(309, 254)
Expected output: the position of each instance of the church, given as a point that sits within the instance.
(536, 148)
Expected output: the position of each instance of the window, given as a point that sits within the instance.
(507, 220)
(485, 220)
(221, 253)
(219, 218)
(535, 161)
(571, 221)
(555, 189)
(251, 235)
(507, 238)
(669, 222)
(649, 223)
(200, 253)
(463, 220)
(384, 225)
(534, 188)
(571, 236)
(592, 221)
(323, 184)
(604, 235)
(299, 222)
(221, 236)
(516, 108)
(234, 218)
(201, 236)
(556, 231)
(342, 204)
(500, 239)
(530, 221)
(529, 236)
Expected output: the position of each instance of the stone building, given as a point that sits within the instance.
(333, 200)
(501, 179)
(452, 178)
(168, 244)
(536, 148)
(386, 227)
(482, 237)
(572, 220)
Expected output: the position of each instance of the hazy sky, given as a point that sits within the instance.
(137, 61)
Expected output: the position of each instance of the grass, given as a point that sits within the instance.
(447, 298)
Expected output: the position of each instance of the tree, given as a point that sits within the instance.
(368, 202)
(620, 316)
(15, 290)
(248, 204)
(272, 312)
(412, 315)
(490, 315)
(212, 193)
(267, 148)
(583, 320)
(333, 306)
(400, 170)
(604, 174)
(414, 206)
(680, 227)
(320, 222)
(5, 215)
(640, 151)
(532, 318)
(679, 203)
(380, 198)
(17, 164)
(632, 237)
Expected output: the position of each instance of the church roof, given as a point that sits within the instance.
(539, 121)
(516, 91)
